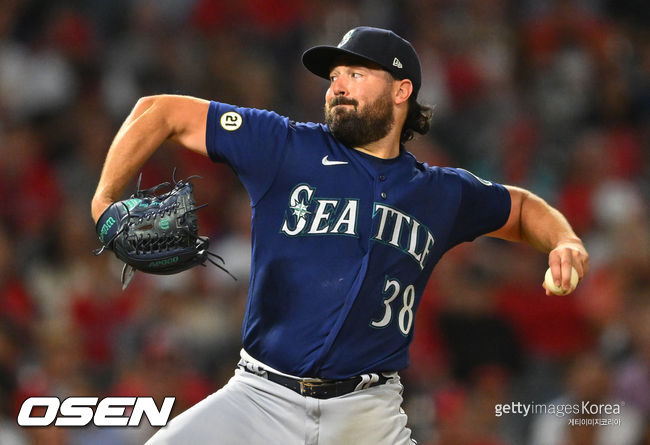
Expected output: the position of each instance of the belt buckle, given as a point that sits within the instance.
(307, 386)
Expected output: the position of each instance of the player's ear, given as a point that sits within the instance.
(403, 90)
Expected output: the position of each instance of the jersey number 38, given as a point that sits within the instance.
(393, 288)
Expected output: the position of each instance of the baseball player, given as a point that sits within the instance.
(347, 226)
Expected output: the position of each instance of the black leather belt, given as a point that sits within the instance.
(321, 388)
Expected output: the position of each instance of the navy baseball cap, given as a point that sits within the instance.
(381, 46)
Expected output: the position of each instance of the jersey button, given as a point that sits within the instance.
(383, 195)
(382, 178)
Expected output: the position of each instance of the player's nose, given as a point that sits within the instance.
(339, 86)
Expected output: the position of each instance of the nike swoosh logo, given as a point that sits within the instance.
(326, 161)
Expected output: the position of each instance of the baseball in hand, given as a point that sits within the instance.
(557, 290)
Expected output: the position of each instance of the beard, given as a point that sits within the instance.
(360, 126)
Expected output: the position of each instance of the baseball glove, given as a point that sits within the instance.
(154, 232)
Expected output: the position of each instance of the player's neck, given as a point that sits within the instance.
(384, 148)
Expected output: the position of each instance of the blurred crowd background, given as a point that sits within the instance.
(550, 95)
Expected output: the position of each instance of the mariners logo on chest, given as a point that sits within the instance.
(308, 214)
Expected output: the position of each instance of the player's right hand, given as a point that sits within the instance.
(567, 254)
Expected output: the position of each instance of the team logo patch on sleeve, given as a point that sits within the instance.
(231, 121)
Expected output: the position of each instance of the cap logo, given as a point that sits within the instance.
(346, 37)
(397, 63)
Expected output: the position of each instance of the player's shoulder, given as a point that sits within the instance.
(310, 133)
(220, 109)
(308, 127)
(446, 173)
(432, 171)
(233, 117)
(446, 176)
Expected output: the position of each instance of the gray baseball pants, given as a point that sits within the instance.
(251, 410)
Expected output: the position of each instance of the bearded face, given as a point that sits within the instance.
(357, 126)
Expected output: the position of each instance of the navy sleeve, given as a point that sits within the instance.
(484, 207)
(251, 141)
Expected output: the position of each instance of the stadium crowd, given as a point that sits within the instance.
(550, 95)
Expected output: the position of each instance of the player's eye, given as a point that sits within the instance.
(357, 75)
(332, 78)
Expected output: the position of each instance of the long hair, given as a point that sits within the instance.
(418, 119)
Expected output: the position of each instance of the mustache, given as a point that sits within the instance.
(340, 100)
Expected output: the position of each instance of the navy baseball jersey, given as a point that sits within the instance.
(343, 243)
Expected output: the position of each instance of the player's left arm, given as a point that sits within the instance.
(533, 221)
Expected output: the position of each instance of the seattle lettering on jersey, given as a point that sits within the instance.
(329, 217)
(404, 232)
(334, 217)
